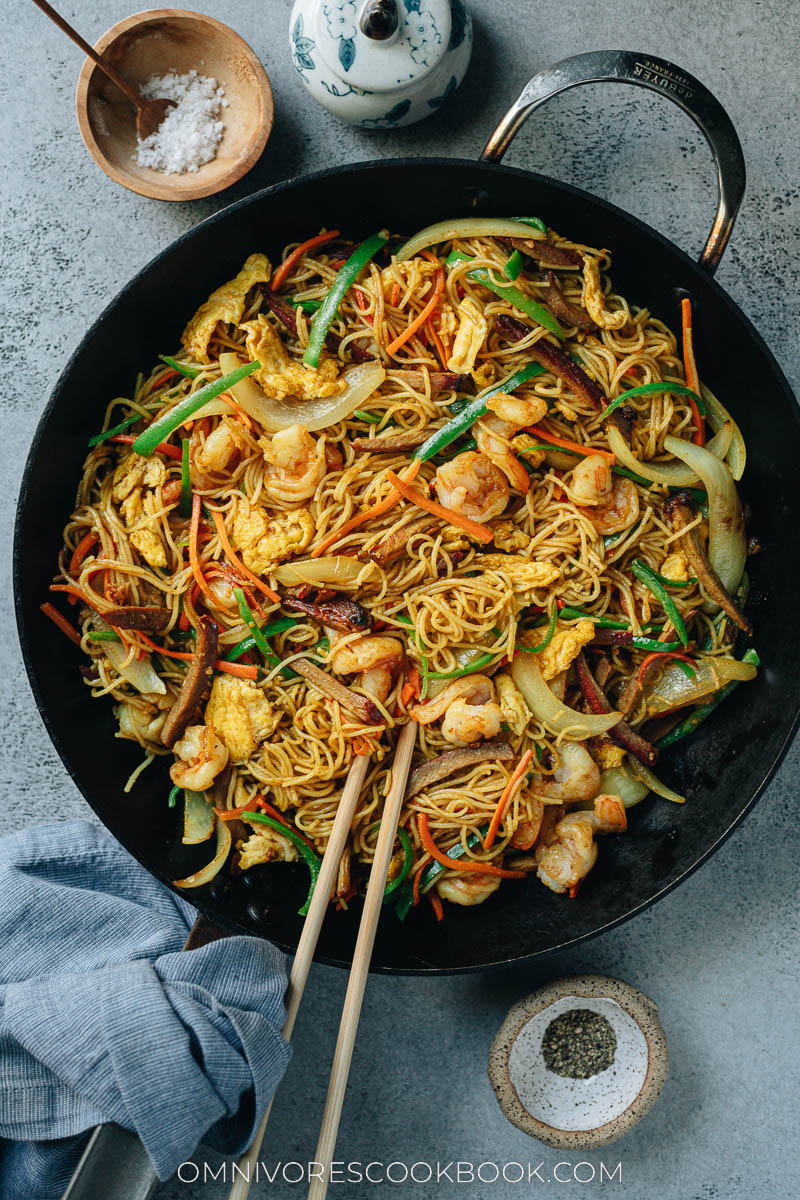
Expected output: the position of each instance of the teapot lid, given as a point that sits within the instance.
(383, 45)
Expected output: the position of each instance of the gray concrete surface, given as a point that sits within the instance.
(719, 955)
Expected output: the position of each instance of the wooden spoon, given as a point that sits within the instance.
(149, 113)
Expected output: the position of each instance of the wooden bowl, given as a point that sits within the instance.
(152, 43)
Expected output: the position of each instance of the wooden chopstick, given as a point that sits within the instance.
(308, 941)
(361, 960)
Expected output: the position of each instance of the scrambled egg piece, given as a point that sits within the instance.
(472, 331)
(138, 511)
(508, 536)
(593, 299)
(564, 648)
(484, 375)
(266, 541)
(675, 566)
(607, 753)
(523, 574)
(240, 714)
(515, 711)
(225, 304)
(280, 375)
(264, 847)
(135, 471)
(521, 445)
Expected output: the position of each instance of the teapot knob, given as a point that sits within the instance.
(379, 20)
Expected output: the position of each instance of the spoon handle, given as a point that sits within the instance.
(66, 28)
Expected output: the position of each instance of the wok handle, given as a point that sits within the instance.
(644, 70)
(115, 1164)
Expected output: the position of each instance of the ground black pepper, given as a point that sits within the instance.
(579, 1044)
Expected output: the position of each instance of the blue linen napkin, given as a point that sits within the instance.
(103, 1019)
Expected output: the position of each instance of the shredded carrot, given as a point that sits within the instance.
(229, 551)
(82, 549)
(362, 746)
(79, 594)
(427, 311)
(127, 439)
(62, 623)
(361, 299)
(377, 510)
(417, 878)
(566, 444)
(415, 679)
(278, 816)
(158, 382)
(437, 341)
(194, 558)
(238, 410)
(395, 294)
(436, 905)
(573, 891)
(228, 668)
(296, 254)
(655, 655)
(446, 514)
(690, 371)
(233, 814)
(456, 864)
(504, 801)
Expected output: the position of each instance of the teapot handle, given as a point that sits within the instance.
(644, 70)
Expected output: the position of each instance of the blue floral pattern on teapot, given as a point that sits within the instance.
(411, 75)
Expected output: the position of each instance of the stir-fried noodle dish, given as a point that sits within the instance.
(457, 480)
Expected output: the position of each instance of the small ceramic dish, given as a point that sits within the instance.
(579, 1114)
(152, 43)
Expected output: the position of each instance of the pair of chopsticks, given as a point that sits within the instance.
(354, 996)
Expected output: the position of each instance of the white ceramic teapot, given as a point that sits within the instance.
(381, 63)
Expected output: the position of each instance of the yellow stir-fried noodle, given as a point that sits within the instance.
(301, 566)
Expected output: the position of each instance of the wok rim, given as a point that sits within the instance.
(327, 174)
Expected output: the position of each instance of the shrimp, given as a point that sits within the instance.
(494, 433)
(468, 707)
(375, 660)
(140, 722)
(572, 853)
(295, 464)
(201, 757)
(214, 455)
(470, 484)
(468, 889)
(576, 778)
(614, 502)
(528, 828)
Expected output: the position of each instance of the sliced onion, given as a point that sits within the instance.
(618, 781)
(273, 415)
(217, 407)
(198, 818)
(551, 711)
(736, 457)
(652, 781)
(669, 474)
(466, 227)
(213, 868)
(727, 545)
(330, 570)
(673, 689)
(138, 672)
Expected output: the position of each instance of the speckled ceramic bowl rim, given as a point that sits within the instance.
(178, 188)
(644, 1012)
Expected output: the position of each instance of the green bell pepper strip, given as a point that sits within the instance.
(454, 450)
(370, 418)
(172, 800)
(514, 265)
(104, 636)
(484, 661)
(646, 575)
(312, 861)
(673, 582)
(457, 256)
(518, 299)
(460, 404)
(548, 637)
(260, 635)
(114, 430)
(308, 306)
(575, 614)
(248, 643)
(345, 278)
(408, 858)
(239, 649)
(471, 412)
(705, 710)
(654, 389)
(185, 506)
(165, 425)
(431, 873)
(181, 368)
(423, 658)
(535, 222)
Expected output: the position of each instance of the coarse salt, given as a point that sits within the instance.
(189, 135)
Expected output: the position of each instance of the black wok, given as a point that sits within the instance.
(723, 768)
